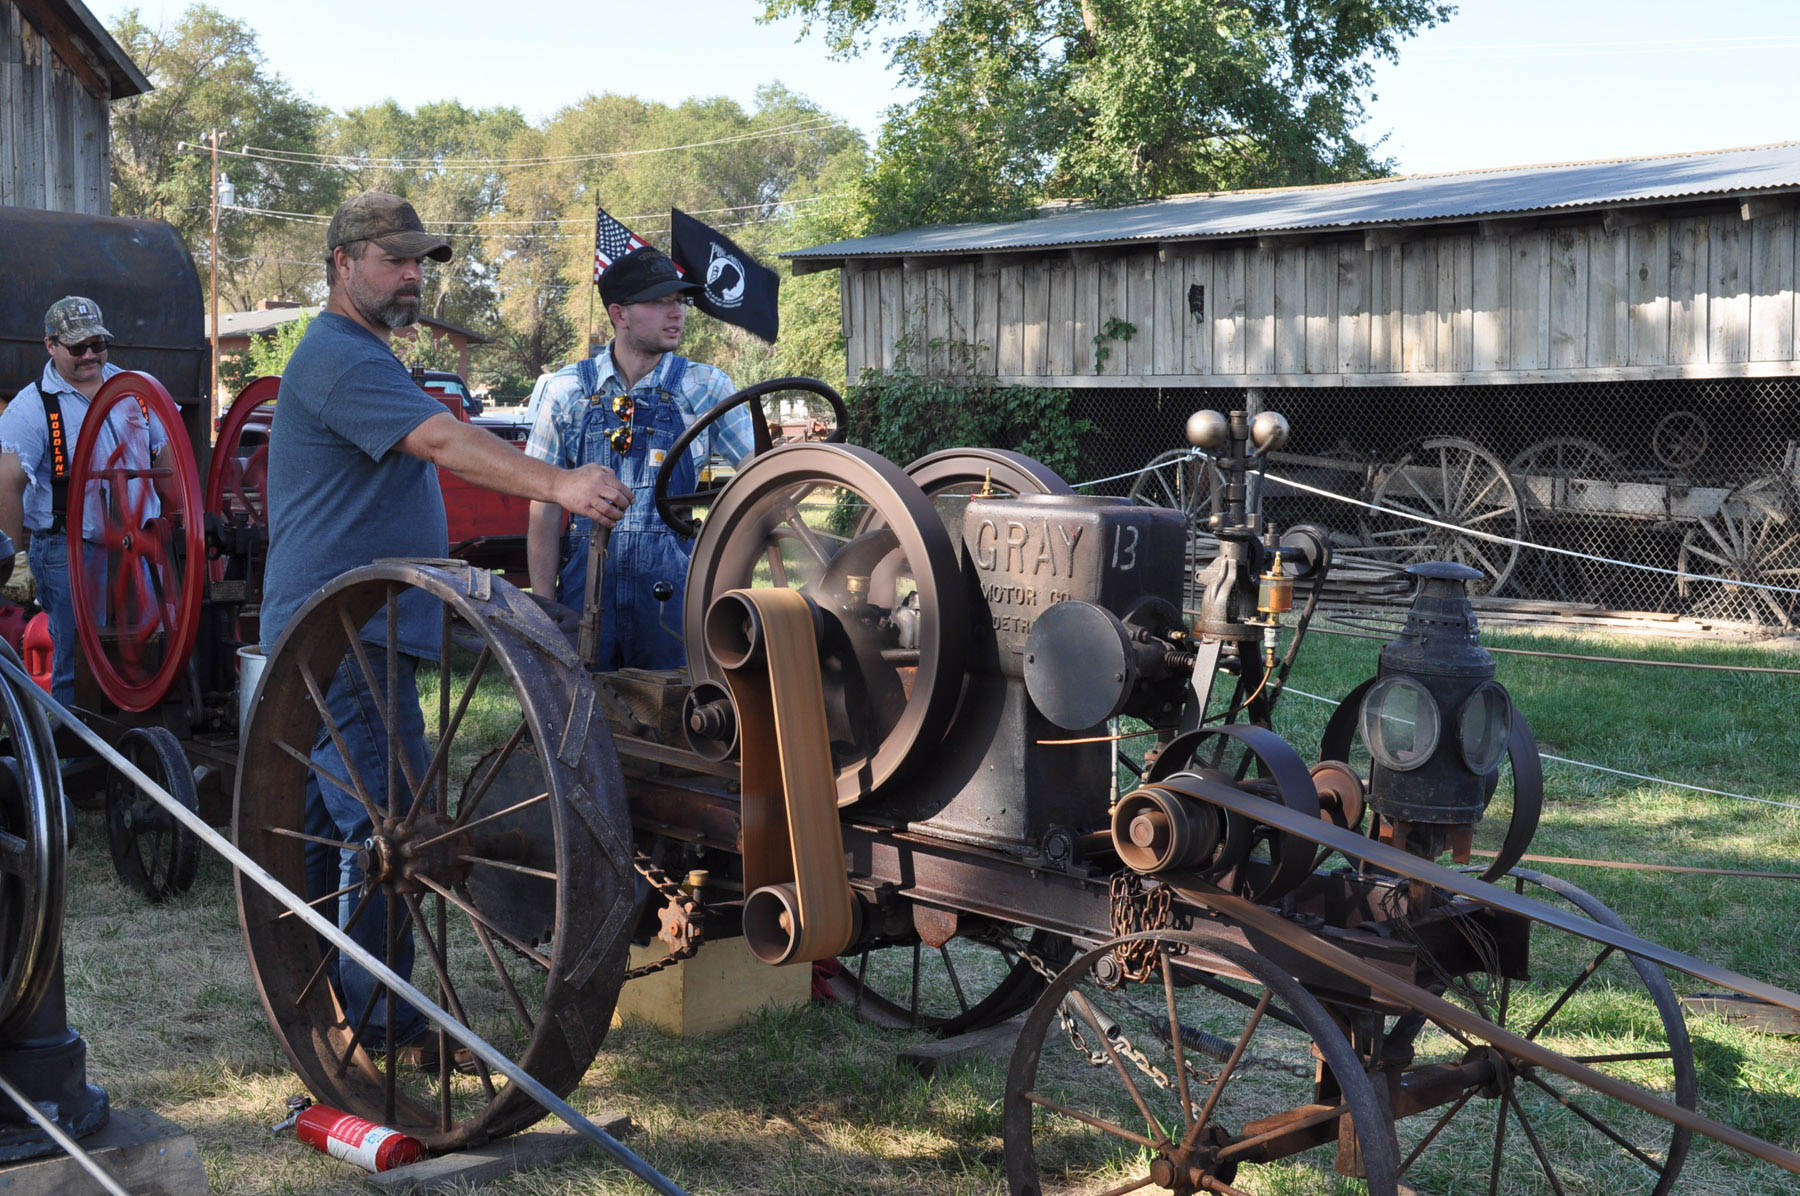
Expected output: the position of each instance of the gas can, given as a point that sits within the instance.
(342, 1136)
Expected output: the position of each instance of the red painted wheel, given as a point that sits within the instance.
(136, 573)
(236, 478)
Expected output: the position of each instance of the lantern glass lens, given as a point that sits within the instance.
(1400, 723)
(1484, 727)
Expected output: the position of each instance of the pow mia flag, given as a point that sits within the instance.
(738, 291)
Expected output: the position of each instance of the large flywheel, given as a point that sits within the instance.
(136, 541)
(501, 861)
(859, 538)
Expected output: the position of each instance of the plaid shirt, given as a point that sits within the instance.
(556, 432)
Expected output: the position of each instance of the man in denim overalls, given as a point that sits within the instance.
(624, 409)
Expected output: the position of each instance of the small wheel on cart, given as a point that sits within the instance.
(151, 851)
(1171, 1061)
(1530, 1130)
(1680, 439)
(1754, 537)
(968, 983)
(1462, 489)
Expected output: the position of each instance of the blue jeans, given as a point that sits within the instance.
(48, 553)
(333, 813)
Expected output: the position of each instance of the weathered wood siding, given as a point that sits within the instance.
(1709, 294)
(53, 130)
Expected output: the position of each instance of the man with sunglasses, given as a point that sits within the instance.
(624, 409)
(38, 434)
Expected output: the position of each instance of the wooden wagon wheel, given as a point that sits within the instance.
(1177, 1082)
(512, 870)
(1529, 1130)
(1453, 482)
(1552, 476)
(1753, 536)
(1180, 480)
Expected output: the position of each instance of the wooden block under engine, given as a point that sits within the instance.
(715, 990)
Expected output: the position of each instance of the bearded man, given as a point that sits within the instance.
(352, 479)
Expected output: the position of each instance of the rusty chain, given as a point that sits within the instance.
(683, 926)
(1134, 909)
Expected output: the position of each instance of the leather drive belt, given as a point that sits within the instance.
(1412, 867)
(798, 906)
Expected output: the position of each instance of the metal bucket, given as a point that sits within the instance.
(250, 670)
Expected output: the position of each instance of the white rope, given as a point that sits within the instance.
(1617, 772)
(1551, 548)
(1150, 468)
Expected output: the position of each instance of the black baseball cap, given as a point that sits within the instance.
(642, 275)
(387, 220)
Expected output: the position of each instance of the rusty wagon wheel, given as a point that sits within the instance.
(859, 538)
(1527, 1130)
(1454, 482)
(1754, 536)
(1210, 1060)
(506, 856)
(970, 982)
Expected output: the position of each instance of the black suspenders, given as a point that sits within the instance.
(59, 457)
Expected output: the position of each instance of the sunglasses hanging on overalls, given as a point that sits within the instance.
(620, 437)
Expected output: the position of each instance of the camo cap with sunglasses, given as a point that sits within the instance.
(73, 319)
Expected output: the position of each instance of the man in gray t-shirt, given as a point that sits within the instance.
(353, 457)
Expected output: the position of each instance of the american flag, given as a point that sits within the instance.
(612, 241)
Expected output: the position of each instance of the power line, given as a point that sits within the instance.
(356, 162)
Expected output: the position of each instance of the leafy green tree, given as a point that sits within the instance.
(267, 354)
(1114, 100)
(210, 73)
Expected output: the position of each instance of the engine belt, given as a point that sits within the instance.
(791, 834)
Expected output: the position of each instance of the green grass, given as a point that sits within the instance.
(813, 1101)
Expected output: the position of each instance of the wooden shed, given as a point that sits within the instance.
(1599, 355)
(1678, 266)
(59, 73)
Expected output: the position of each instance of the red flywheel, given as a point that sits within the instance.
(237, 481)
(137, 563)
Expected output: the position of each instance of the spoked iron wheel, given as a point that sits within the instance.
(136, 549)
(968, 983)
(1181, 1081)
(1754, 537)
(1452, 482)
(504, 853)
(1514, 1128)
(151, 852)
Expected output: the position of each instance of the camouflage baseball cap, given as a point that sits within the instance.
(387, 220)
(73, 319)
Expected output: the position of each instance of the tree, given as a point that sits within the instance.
(1114, 100)
(209, 73)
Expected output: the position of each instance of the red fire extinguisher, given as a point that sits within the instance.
(336, 1133)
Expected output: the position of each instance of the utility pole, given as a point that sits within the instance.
(212, 398)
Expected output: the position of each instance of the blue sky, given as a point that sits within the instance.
(1503, 82)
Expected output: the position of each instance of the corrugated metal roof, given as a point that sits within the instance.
(1408, 198)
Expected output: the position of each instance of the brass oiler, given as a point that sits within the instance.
(1274, 591)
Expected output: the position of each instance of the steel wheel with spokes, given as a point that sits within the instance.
(506, 858)
(1450, 482)
(1515, 1128)
(967, 983)
(152, 852)
(1179, 1082)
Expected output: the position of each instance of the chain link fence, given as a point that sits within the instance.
(1692, 475)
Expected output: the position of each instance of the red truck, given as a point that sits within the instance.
(486, 528)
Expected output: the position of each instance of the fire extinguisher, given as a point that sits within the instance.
(336, 1133)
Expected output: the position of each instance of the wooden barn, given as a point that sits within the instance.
(1601, 340)
(59, 74)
